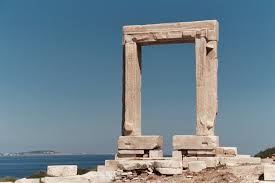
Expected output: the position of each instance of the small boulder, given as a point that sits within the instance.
(24, 180)
(62, 170)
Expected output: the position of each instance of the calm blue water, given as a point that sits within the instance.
(26, 165)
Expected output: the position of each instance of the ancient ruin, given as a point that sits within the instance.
(204, 34)
(193, 153)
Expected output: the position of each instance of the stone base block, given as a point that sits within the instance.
(127, 156)
(140, 142)
(130, 152)
(62, 170)
(129, 165)
(196, 166)
(155, 153)
(226, 151)
(193, 142)
(201, 153)
(269, 172)
(177, 155)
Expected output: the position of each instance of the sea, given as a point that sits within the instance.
(24, 166)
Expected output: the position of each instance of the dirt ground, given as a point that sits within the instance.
(241, 174)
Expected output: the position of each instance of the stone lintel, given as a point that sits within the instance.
(207, 24)
(140, 142)
(170, 32)
(193, 142)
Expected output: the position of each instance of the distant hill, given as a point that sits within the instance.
(39, 152)
(42, 152)
(266, 153)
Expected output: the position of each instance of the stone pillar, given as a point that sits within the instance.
(131, 117)
(206, 85)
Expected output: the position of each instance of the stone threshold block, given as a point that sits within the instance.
(140, 142)
(193, 142)
(169, 171)
(211, 162)
(269, 172)
(62, 170)
(130, 165)
(239, 160)
(163, 166)
(196, 166)
(167, 164)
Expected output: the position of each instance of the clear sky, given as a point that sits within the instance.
(60, 73)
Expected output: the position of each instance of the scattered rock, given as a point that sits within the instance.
(24, 180)
(62, 170)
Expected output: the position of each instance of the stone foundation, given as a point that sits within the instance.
(179, 163)
(131, 147)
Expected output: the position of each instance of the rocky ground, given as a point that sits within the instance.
(240, 174)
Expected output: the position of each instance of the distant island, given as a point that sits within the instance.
(32, 153)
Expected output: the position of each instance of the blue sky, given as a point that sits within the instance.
(60, 73)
